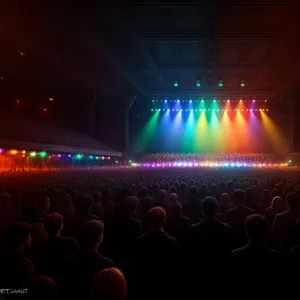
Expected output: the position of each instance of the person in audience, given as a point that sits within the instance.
(43, 207)
(96, 207)
(83, 213)
(257, 258)
(55, 248)
(284, 227)
(15, 269)
(80, 269)
(124, 230)
(156, 259)
(236, 217)
(107, 206)
(109, 284)
(42, 287)
(145, 204)
(277, 206)
(176, 224)
(193, 207)
(224, 206)
(209, 238)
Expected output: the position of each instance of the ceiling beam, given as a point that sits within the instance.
(247, 3)
(173, 36)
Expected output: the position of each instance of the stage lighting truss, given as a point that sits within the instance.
(213, 105)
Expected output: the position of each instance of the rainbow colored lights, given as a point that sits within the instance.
(45, 155)
(210, 126)
(209, 164)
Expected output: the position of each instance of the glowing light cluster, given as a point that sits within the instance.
(44, 154)
(210, 164)
(209, 109)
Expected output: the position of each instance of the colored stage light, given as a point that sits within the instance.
(214, 100)
(152, 100)
(177, 109)
(178, 101)
(151, 109)
(241, 100)
(33, 154)
(173, 109)
(228, 100)
(202, 100)
(253, 100)
(166, 101)
(267, 109)
(181, 110)
(13, 152)
(59, 155)
(43, 153)
(175, 84)
(168, 109)
(50, 99)
(251, 109)
(220, 83)
(97, 157)
(190, 101)
(78, 156)
(266, 100)
(226, 109)
(242, 110)
(91, 157)
(198, 83)
(186, 110)
(159, 109)
(242, 84)
(69, 155)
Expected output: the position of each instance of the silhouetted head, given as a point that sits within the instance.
(257, 228)
(209, 207)
(54, 224)
(109, 284)
(156, 218)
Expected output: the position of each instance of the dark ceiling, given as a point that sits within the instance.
(113, 48)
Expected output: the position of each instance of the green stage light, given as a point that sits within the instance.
(198, 84)
(33, 154)
(175, 83)
(79, 156)
(97, 157)
(43, 154)
(220, 83)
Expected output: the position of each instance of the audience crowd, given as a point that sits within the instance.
(209, 157)
(146, 235)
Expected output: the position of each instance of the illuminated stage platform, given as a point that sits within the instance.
(206, 164)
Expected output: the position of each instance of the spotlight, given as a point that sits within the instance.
(43, 154)
(168, 109)
(253, 100)
(181, 110)
(267, 110)
(152, 100)
(251, 109)
(175, 84)
(242, 84)
(186, 110)
(177, 109)
(214, 100)
(202, 100)
(178, 101)
(173, 109)
(166, 101)
(242, 110)
(163, 109)
(201, 109)
(241, 100)
(220, 83)
(228, 100)
(151, 109)
(266, 100)
(198, 84)
(33, 154)
(190, 101)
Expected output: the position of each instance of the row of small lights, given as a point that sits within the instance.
(159, 109)
(210, 164)
(214, 100)
(43, 154)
